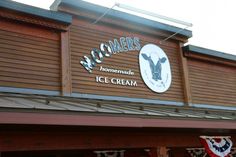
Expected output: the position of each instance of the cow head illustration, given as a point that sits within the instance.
(155, 69)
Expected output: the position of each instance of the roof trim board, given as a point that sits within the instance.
(28, 91)
(79, 4)
(109, 121)
(209, 52)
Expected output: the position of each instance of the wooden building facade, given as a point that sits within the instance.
(74, 86)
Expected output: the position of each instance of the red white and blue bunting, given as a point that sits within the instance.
(200, 152)
(217, 146)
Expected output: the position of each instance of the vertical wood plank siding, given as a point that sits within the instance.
(213, 84)
(29, 57)
(84, 37)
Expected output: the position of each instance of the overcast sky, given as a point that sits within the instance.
(214, 21)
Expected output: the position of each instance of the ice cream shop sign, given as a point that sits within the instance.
(153, 63)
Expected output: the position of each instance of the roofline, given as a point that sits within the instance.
(209, 52)
(111, 98)
(27, 9)
(79, 4)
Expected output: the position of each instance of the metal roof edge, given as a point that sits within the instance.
(39, 103)
(29, 91)
(214, 107)
(52, 15)
(209, 52)
(151, 102)
(121, 15)
(127, 99)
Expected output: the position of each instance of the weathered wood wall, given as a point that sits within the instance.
(212, 83)
(29, 56)
(38, 57)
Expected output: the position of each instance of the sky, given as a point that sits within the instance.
(214, 21)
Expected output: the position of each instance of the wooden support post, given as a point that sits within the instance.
(185, 74)
(163, 152)
(65, 65)
(159, 152)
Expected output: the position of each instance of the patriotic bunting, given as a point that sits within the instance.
(217, 146)
(200, 152)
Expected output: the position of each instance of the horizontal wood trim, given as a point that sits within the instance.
(28, 80)
(28, 54)
(36, 76)
(215, 86)
(30, 57)
(35, 59)
(8, 14)
(210, 75)
(15, 48)
(29, 85)
(28, 29)
(215, 97)
(209, 58)
(212, 83)
(33, 46)
(115, 121)
(28, 63)
(26, 69)
(12, 36)
(208, 67)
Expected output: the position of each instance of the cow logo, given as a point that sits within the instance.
(155, 68)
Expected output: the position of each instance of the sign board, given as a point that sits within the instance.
(133, 67)
(154, 64)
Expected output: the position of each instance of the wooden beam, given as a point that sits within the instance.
(90, 139)
(66, 119)
(185, 76)
(96, 138)
(65, 65)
